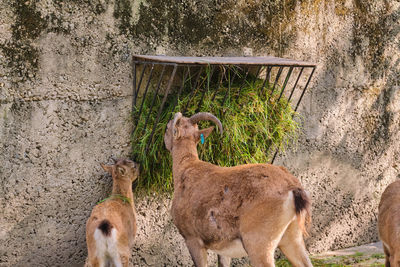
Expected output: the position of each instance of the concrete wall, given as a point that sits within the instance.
(65, 99)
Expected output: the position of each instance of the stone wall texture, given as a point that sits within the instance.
(66, 93)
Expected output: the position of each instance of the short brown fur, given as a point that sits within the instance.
(117, 212)
(252, 204)
(389, 223)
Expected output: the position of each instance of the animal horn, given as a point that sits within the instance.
(205, 116)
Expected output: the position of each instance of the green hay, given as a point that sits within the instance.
(255, 125)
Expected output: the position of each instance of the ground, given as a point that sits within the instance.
(365, 255)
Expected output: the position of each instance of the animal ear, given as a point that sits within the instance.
(121, 170)
(175, 132)
(107, 168)
(175, 122)
(206, 132)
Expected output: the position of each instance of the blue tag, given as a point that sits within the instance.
(202, 138)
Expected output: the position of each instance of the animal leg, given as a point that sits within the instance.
(394, 259)
(197, 251)
(87, 263)
(124, 262)
(260, 244)
(117, 263)
(263, 226)
(95, 262)
(292, 245)
(260, 254)
(387, 256)
(224, 261)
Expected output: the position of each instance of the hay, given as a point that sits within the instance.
(255, 125)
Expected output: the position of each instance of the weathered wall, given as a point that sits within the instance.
(65, 95)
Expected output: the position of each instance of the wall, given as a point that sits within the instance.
(66, 92)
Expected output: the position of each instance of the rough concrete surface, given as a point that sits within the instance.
(65, 100)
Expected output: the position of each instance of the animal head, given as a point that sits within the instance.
(183, 128)
(122, 169)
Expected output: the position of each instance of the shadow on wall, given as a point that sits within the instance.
(358, 126)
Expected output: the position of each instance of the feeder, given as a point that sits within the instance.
(170, 75)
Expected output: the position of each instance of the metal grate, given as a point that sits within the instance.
(167, 75)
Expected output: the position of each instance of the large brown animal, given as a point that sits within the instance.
(234, 211)
(389, 223)
(111, 228)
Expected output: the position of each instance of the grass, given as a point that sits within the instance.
(255, 125)
(378, 256)
(341, 261)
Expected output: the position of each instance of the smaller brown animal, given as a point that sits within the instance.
(389, 223)
(111, 228)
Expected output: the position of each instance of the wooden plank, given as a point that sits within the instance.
(268, 60)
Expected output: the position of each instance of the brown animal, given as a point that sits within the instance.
(389, 223)
(111, 228)
(234, 211)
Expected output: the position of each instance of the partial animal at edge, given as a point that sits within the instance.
(389, 223)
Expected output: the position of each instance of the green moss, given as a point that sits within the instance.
(375, 25)
(21, 58)
(29, 23)
(211, 24)
(340, 8)
(378, 256)
(123, 12)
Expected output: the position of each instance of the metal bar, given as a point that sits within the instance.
(162, 106)
(304, 90)
(294, 86)
(140, 80)
(258, 72)
(219, 86)
(229, 87)
(285, 83)
(134, 87)
(275, 154)
(136, 95)
(244, 81)
(204, 91)
(193, 90)
(154, 98)
(266, 80)
(305, 87)
(144, 95)
(276, 79)
(179, 91)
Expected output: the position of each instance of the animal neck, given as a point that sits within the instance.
(183, 153)
(123, 188)
(184, 150)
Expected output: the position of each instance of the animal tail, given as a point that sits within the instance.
(302, 204)
(105, 227)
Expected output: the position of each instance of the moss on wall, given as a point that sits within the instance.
(210, 23)
(373, 30)
(22, 56)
